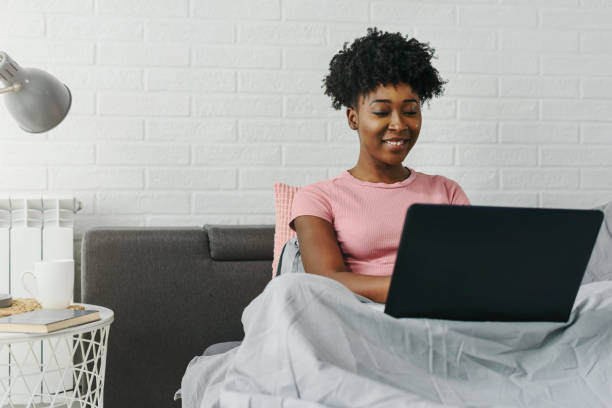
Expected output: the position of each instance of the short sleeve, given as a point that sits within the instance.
(456, 195)
(311, 200)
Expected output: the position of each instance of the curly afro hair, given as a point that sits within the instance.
(381, 58)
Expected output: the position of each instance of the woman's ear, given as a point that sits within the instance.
(353, 118)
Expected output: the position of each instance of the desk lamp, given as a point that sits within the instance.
(36, 99)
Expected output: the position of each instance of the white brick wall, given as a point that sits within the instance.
(187, 111)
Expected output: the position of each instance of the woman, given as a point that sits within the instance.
(349, 227)
(309, 342)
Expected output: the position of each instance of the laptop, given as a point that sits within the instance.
(483, 263)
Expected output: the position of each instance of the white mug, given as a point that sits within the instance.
(54, 283)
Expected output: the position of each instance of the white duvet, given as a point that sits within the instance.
(311, 343)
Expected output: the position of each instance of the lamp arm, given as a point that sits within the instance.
(13, 88)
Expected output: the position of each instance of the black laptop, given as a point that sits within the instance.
(482, 263)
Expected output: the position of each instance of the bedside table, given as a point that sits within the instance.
(64, 368)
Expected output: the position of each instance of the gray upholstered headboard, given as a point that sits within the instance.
(174, 291)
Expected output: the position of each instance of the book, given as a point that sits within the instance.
(46, 320)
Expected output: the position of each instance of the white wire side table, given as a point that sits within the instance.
(61, 369)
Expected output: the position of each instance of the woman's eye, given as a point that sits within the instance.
(405, 113)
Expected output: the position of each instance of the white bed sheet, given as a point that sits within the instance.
(310, 343)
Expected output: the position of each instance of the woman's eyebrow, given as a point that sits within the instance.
(389, 100)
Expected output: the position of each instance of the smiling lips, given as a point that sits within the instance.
(396, 143)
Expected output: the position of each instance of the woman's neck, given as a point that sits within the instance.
(387, 176)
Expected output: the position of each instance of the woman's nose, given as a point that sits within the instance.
(396, 121)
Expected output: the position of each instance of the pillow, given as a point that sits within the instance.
(599, 267)
(283, 198)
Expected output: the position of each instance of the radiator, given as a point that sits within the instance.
(32, 229)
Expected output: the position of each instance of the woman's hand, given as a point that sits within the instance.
(321, 255)
(375, 288)
(386, 282)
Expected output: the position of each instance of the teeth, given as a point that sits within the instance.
(394, 143)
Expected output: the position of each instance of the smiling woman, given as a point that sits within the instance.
(383, 79)
(349, 227)
(388, 120)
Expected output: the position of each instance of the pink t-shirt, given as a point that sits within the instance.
(368, 217)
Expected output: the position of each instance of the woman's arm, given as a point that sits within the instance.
(321, 256)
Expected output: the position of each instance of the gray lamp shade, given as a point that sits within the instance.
(41, 101)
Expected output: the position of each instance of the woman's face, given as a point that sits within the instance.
(387, 114)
